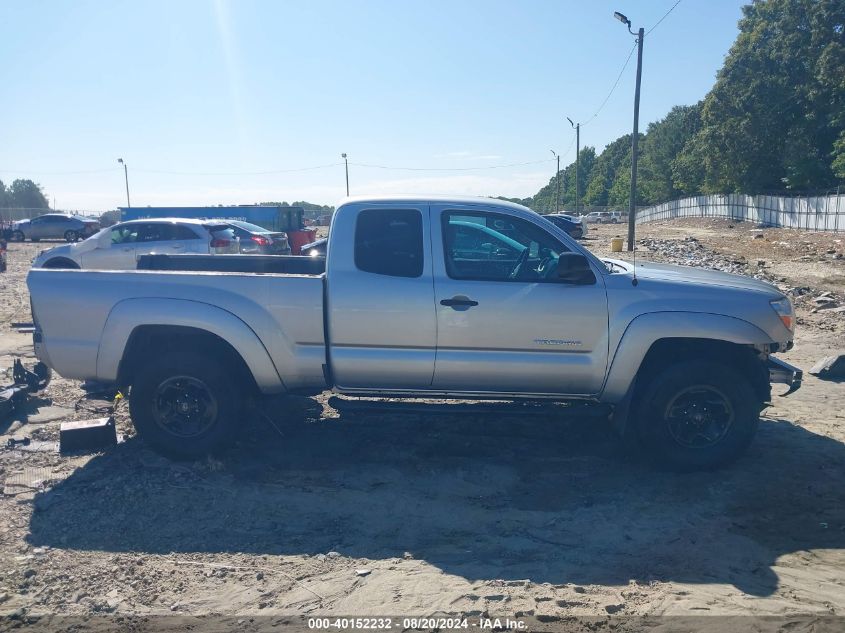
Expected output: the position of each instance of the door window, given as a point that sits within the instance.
(493, 247)
(165, 232)
(125, 234)
(389, 242)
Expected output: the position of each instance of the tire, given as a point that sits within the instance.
(184, 404)
(576, 234)
(35, 239)
(71, 236)
(61, 262)
(696, 415)
(18, 236)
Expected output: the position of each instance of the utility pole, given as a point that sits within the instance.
(577, 127)
(632, 204)
(557, 180)
(346, 163)
(126, 176)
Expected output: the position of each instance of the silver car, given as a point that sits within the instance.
(54, 226)
(118, 247)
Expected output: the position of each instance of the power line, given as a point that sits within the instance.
(282, 171)
(57, 173)
(625, 65)
(664, 17)
(566, 151)
(371, 166)
(236, 173)
(613, 88)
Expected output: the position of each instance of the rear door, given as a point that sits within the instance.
(166, 238)
(382, 325)
(505, 322)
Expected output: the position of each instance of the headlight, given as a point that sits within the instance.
(783, 307)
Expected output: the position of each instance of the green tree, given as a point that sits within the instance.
(778, 105)
(26, 194)
(838, 154)
(663, 143)
(4, 196)
(604, 171)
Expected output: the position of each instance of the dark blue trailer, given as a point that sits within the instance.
(273, 218)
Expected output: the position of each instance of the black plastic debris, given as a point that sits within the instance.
(830, 367)
(87, 435)
(25, 382)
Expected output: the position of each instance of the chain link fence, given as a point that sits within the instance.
(811, 213)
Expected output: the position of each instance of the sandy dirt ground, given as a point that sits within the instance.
(322, 508)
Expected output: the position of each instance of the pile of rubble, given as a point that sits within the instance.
(690, 252)
(827, 307)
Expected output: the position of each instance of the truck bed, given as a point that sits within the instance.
(262, 264)
(276, 320)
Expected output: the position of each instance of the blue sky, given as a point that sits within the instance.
(214, 102)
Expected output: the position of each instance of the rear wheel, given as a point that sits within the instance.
(18, 236)
(71, 236)
(576, 234)
(184, 404)
(697, 415)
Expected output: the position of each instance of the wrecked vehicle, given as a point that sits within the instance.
(438, 298)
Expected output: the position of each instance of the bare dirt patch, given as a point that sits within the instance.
(344, 512)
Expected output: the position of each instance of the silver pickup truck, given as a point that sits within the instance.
(430, 297)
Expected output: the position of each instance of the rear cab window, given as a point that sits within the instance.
(389, 242)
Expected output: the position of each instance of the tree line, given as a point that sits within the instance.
(22, 194)
(774, 121)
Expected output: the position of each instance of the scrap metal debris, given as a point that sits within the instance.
(24, 383)
(87, 435)
(830, 367)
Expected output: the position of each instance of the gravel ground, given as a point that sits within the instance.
(446, 509)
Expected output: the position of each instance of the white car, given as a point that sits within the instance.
(604, 217)
(118, 247)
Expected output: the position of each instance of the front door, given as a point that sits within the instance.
(117, 252)
(505, 322)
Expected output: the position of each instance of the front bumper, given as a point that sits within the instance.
(784, 373)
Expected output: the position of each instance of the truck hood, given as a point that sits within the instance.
(689, 274)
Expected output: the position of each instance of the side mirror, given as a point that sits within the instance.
(574, 268)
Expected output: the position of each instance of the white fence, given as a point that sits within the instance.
(811, 213)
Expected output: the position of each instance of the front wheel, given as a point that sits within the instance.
(18, 236)
(184, 404)
(71, 236)
(697, 415)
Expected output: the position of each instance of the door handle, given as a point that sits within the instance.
(458, 301)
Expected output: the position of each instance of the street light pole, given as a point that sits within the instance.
(557, 179)
(346, 163)
(126, 177)
(577, 127)
(632, 203)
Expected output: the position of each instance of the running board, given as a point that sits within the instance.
(564, 409)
